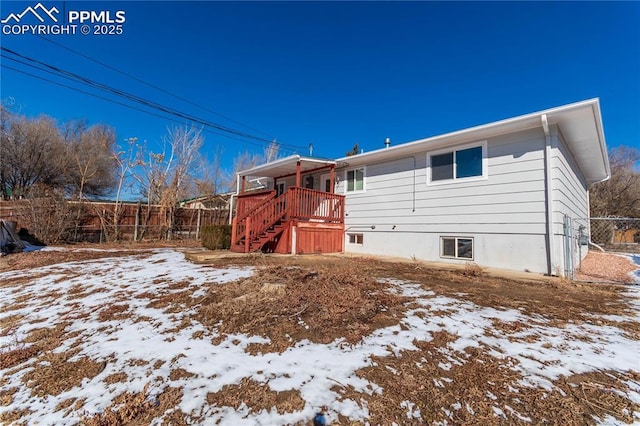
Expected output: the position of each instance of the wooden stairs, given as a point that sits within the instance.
(263, 219)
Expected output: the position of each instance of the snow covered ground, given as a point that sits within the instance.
(147, 343)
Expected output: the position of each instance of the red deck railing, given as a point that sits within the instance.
(311, 204)
(249, 201)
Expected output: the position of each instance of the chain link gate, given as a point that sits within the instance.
(619, 235)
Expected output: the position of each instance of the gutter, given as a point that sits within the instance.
(548, 195)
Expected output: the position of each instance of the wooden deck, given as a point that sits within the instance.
(298, 221)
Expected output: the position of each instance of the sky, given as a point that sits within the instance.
(330, 74)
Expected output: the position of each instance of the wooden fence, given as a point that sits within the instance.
(66, 221)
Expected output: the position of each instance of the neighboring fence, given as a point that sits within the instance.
(57, 221)
(613, 235)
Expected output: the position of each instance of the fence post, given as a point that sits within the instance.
(137, 222)
(198, 224)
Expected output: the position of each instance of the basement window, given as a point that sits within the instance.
(356, 239)
(465, 163)
(456, 247)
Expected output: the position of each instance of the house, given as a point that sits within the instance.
(498, 195)
(207, 202)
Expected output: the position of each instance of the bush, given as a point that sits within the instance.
(216, 237)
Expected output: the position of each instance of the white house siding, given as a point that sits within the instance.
(505, 214)
(569, 198)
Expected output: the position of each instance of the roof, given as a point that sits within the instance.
(580, 123)
(287, 166)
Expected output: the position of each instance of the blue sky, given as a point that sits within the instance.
(336, 73)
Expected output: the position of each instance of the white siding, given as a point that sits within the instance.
(569, 197)
(505, 214)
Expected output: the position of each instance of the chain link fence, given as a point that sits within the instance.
(616, 234)
(610, 240)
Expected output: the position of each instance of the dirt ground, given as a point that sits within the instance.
(606, 267)
(323, 298)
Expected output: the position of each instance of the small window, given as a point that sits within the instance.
(355, 180)
(356, 239)
(464, 163)
(456, 247)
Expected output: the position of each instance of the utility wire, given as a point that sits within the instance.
(160, 89)
(132, 97)
(218, 133)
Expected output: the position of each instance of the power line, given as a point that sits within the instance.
(43, 66)
(111, 67)
(126, 105)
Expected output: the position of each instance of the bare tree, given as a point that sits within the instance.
(33, 152)
(271, 151)
(243, 161)
(173, 174)
(620, 195)
(124, 159)
(91, 152)
(212, 176)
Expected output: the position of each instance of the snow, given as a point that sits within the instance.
(635, 258)
(77, 292)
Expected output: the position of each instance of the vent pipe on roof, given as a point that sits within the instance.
(387, 143)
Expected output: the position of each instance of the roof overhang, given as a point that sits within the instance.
(580, 124)
(287, 166)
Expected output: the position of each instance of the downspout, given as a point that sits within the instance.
(232, 195)
(548, 195)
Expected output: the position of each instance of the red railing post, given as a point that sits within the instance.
(234, 229)
(247, 235)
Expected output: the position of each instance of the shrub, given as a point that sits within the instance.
(216, 237)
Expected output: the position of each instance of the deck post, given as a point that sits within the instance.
(298, 172)
(332, 179)
(294, 239)
(247, 235)
(234, 229)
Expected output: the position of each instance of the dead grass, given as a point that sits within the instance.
(12, 357)
(37, 259)
(116, 378)
(58, 374)
(257, 396)
(471, 387)
(289, 304)
(139, 409)
(113, 313)
(6, 396)
(14, 417)
(324, 298)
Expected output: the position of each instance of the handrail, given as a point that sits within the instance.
(257, 197)
(267, 215)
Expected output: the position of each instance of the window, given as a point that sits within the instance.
(456, 247)
(308, 182)
(355, 180)
(355, 239)
(464, 163)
